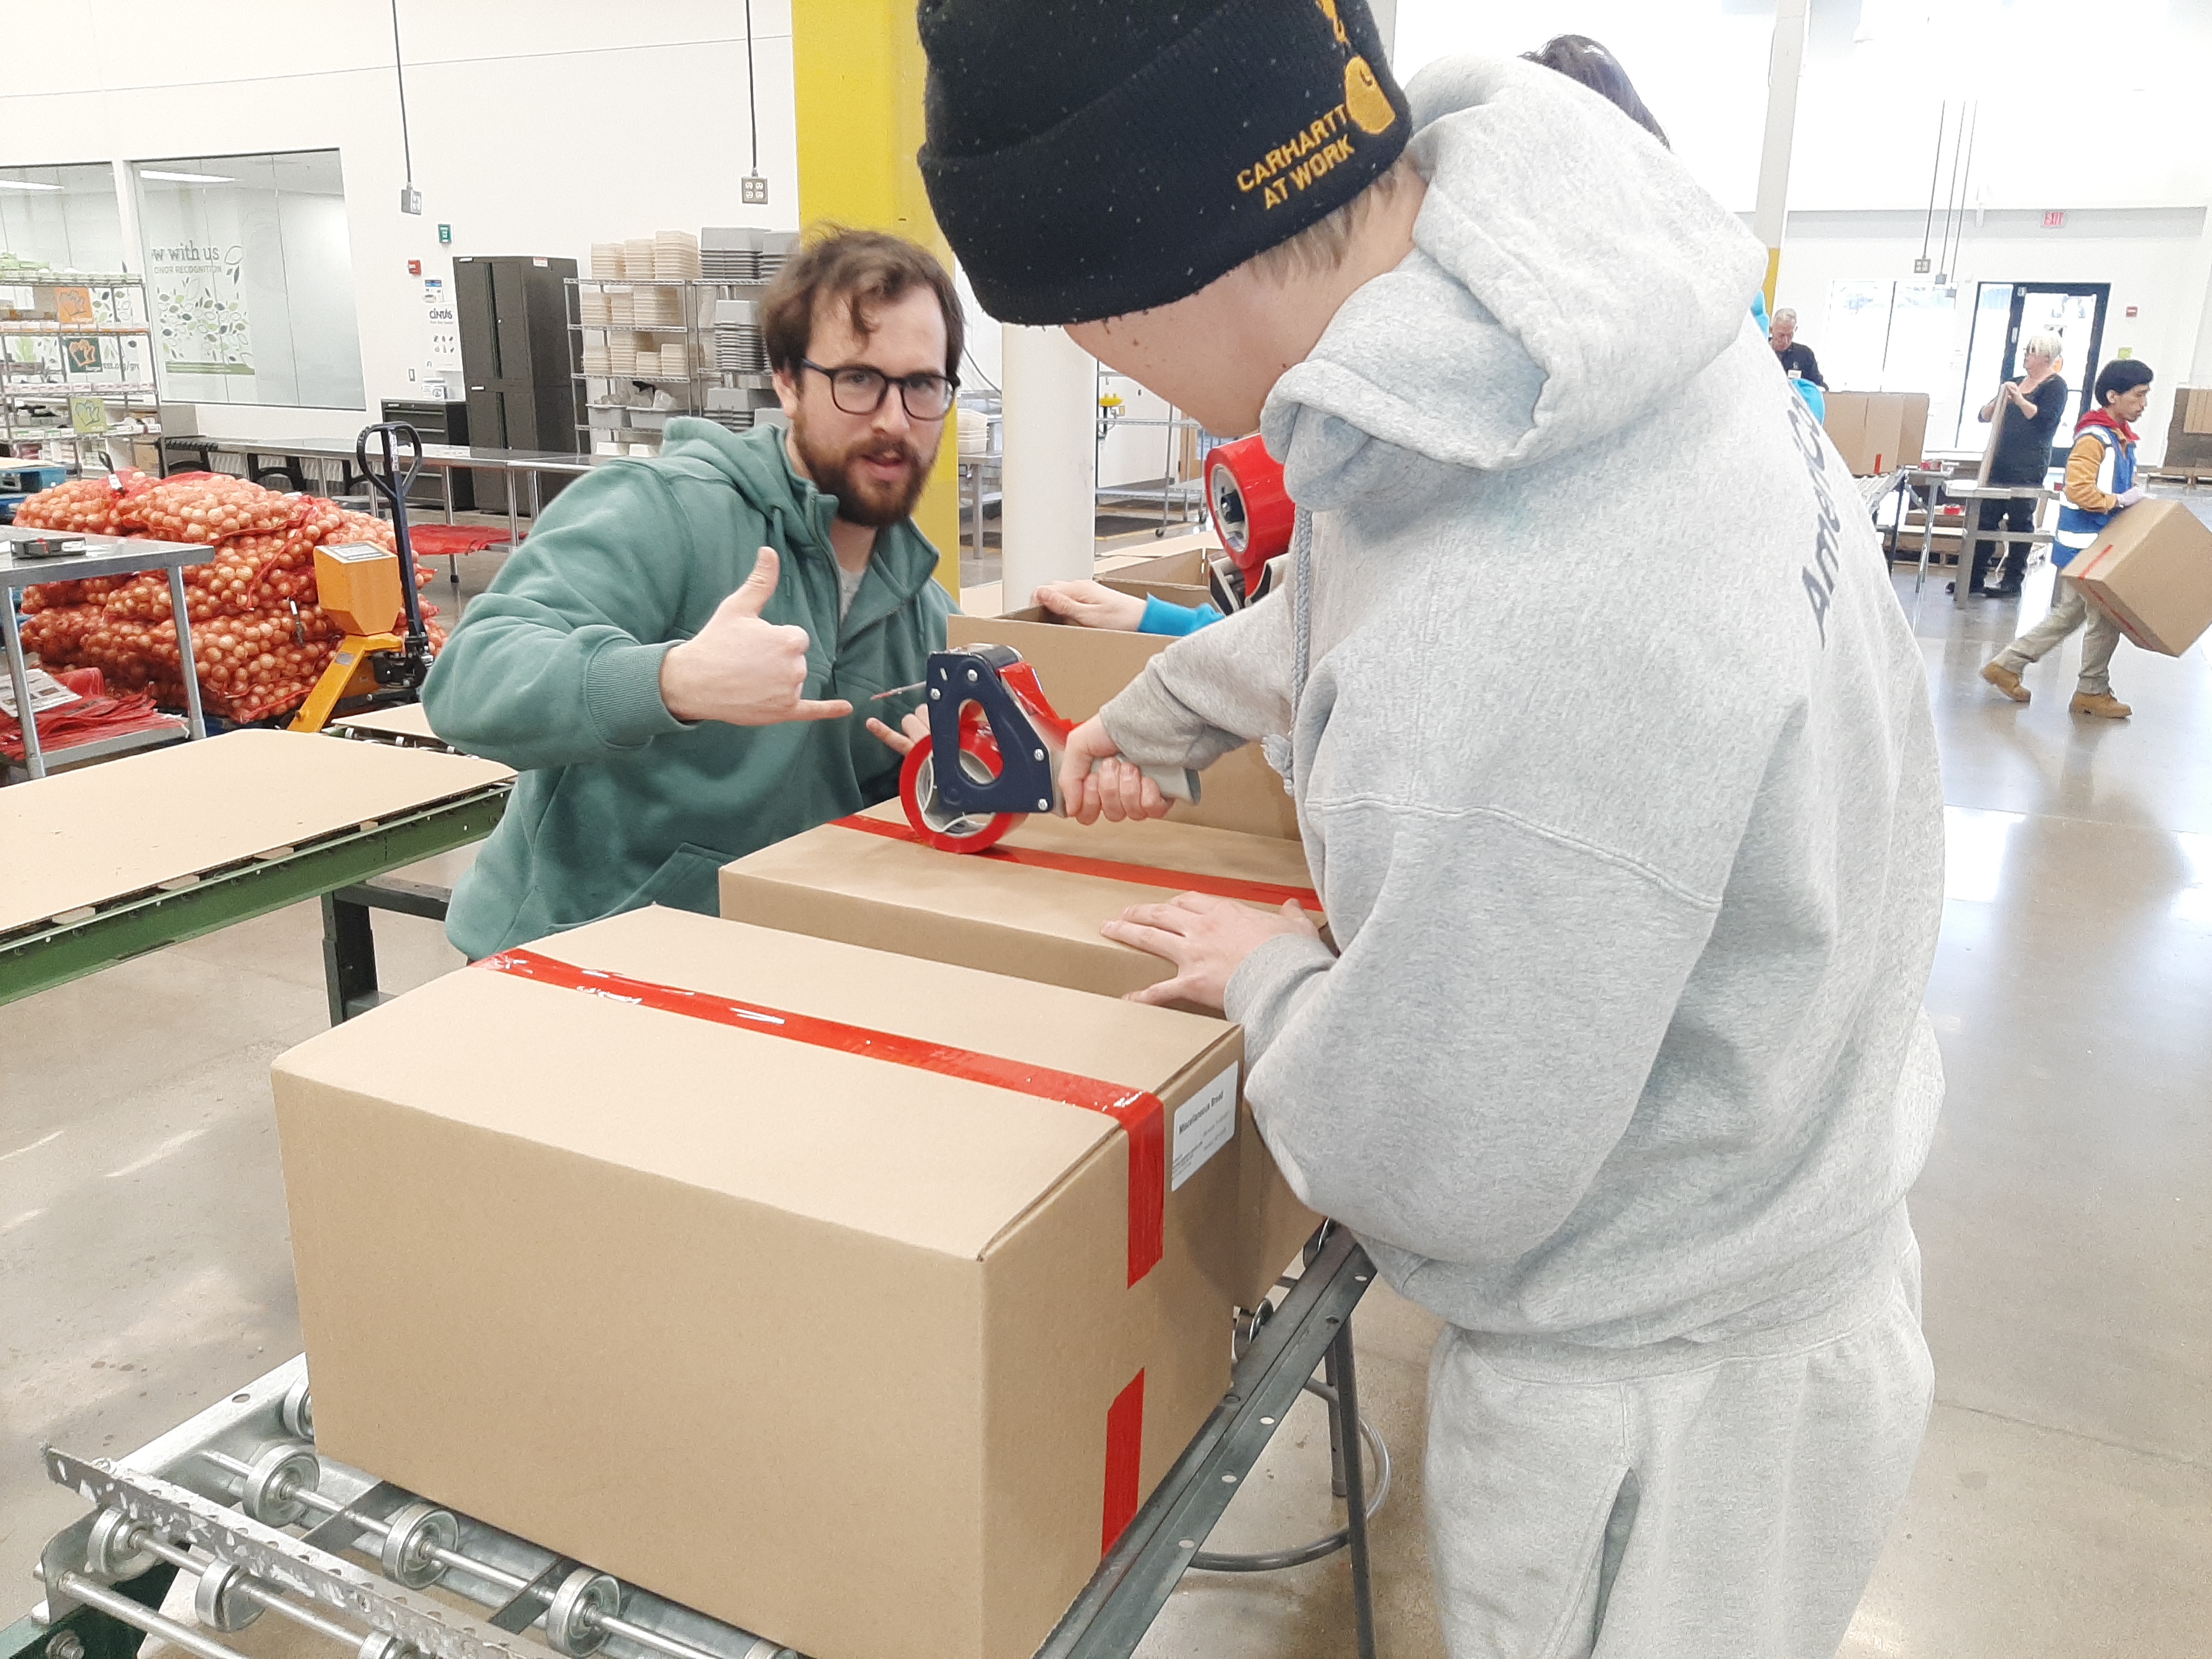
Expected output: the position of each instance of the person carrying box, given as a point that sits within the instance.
(2100, 482)
(1613, 761)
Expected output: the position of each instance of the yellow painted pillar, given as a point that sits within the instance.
(858, 72)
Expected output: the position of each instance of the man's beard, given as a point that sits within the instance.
(862, 500)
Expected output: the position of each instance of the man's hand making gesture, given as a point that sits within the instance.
(742, 671)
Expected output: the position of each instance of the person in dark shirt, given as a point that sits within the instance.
(2033, 406)
(1797, 361)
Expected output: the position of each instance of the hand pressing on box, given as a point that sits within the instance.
(742, 671)
(1207, 938)
(1095, 782)
(1091, 604)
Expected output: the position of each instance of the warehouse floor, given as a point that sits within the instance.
(2063, 1503)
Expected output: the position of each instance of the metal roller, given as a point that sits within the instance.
(217, 1600)
(114, 1551)
(420, 1535)
(280, 1473)
(297, 1412)
(574, 1620)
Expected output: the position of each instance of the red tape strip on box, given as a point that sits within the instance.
(1125, 1461)
(1138, 1112)
(1144, 875)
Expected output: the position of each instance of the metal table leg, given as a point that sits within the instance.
(19, 679)
(187, 669)
(1344, 1413)
(349, 937)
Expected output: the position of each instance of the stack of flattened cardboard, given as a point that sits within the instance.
(840, 1278)
(1878, 432)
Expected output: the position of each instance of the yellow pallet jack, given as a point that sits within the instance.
(368, 591)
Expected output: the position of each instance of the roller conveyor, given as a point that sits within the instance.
(239, 1499)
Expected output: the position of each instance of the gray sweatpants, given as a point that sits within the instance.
(1681, 1502)
(2068, 610)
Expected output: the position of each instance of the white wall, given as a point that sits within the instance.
(2098, 113)
(539, 127)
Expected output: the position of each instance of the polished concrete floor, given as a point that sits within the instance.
(2063, 1503)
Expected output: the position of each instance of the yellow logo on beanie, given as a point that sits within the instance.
(1328, 10)
(1365, 101)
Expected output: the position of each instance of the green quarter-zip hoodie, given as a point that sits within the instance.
(556, 672)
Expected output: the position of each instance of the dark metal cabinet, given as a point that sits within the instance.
(436, 422)
(517, 359)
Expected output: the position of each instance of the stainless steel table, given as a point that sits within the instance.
(445, 459)
(104, 556)
(1969, 534)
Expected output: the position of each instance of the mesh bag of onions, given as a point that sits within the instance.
(259, 640)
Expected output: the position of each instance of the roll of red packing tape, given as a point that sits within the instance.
(1253, 513)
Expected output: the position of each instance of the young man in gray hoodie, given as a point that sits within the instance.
(1612, 757)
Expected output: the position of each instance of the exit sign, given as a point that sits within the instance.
(2055, 219)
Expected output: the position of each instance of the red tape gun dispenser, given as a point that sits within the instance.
(986, 707)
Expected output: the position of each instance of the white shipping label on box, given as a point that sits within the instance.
(1204, 1124)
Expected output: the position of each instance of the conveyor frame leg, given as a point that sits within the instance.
(349, 940)
(87, 1632)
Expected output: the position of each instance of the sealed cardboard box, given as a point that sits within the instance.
(854, 1299)
(2150, 571)
(1082, 668)
(1032, 906)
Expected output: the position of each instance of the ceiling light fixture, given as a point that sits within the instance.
(24, 184)
(187, 177)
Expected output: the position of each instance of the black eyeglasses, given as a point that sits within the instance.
(858, 390)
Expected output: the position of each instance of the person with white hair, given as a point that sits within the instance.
(2031, 408)
(1798, 362)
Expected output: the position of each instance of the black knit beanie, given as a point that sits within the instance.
(1090, 158)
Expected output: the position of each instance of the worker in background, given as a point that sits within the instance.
(1588, 62)
(1798, 362)
(1612, 757)
(2100, 482)
(673, 658)
(2032, 406)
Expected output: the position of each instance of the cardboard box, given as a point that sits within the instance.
(1082, 668)
(995, 913)
(1178, 578)
(1032, 906)
(1878, 432)
(2150, 571)
(844, 1350)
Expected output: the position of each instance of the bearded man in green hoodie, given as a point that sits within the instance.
(673, 659)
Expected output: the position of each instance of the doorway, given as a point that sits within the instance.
(2005, 315)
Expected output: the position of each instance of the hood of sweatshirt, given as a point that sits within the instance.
(1567, 286)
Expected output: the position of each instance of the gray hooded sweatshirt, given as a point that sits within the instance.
(1613, 755)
